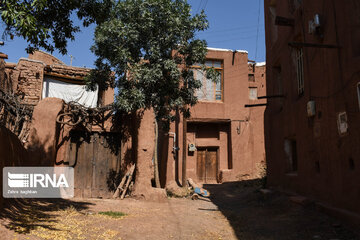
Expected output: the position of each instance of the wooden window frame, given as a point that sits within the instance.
(299, 60)
(358, 93)
(292, 158)
(221, 69)
(250, 96)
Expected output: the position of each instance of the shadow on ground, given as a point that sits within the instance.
(24, 215)
(258, 216)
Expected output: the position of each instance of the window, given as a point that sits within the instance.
(358, 93)
(210, 91)
(291, 155)
(251, 77)
(253, 93)
(342, 123)
(300, 70)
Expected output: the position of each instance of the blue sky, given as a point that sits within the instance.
(234, 24)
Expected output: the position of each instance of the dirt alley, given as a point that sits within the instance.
(234, 211)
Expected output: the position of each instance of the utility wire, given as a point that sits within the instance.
(257, 36)
(233, 29)
(199, 7)
(206, 1)
(229, 33)
(233, 39)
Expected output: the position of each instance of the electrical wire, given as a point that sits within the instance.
(233, 39)
(232, 33)
(233, 29)
(206, 2)
(199, 7)
(257, 37)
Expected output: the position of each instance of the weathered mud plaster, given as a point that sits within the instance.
(44, 131)
(12, 153)
(145, 153)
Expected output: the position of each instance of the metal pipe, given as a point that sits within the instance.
(174, 142)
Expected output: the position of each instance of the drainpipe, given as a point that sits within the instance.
(175, 149)
(233, 57)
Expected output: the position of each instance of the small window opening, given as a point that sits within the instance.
(253, 93)
(251, 77)
(317, 166)
(300, 70)
(351, 164)
(291, 154)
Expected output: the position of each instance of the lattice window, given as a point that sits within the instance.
(253, 93)
(300, 70)
(210, 91)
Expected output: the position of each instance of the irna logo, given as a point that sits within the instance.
(18, 180)
(38, 182)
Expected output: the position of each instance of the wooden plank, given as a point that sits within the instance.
(211, 164)
(200, 164)
(314, 45)
(132, 169)
(87, 170)
(208, 120)
(94, 166)
(103, 165)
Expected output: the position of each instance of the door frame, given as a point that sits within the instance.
(206, 148)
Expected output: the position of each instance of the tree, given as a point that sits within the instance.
(151, 46)
(47, 23)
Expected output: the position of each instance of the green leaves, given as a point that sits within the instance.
(151, 46)
(47, 23)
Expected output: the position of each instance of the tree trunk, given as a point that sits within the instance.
(156, 161)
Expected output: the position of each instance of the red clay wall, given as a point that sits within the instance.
(26, 77)
(12, 153)
(328, 163)
(46, 58)
(240, 152)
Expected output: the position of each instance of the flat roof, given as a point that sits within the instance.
(226, 50)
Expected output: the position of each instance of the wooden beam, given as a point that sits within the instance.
(282, 21)
(184, 136)
(272, 96)
(66, 78)
(255, 105)
(208, 120)
(315, 45)
(3, 56)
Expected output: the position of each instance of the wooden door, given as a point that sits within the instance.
(93, 158)
(206, 166)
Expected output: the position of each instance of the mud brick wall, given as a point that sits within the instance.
(27, 80)
(69, 70)
(2, 74)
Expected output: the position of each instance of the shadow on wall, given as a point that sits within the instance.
(12, 153)
(254, 215)
(24, 215)
(127, 125)
(40, 155)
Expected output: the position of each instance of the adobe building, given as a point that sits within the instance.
(46, 84)
(42, 75)
(312, 120)
(223, 141)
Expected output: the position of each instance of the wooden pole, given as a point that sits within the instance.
(184, 182)
(156, 159)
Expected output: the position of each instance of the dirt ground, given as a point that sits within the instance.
(234, 211)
